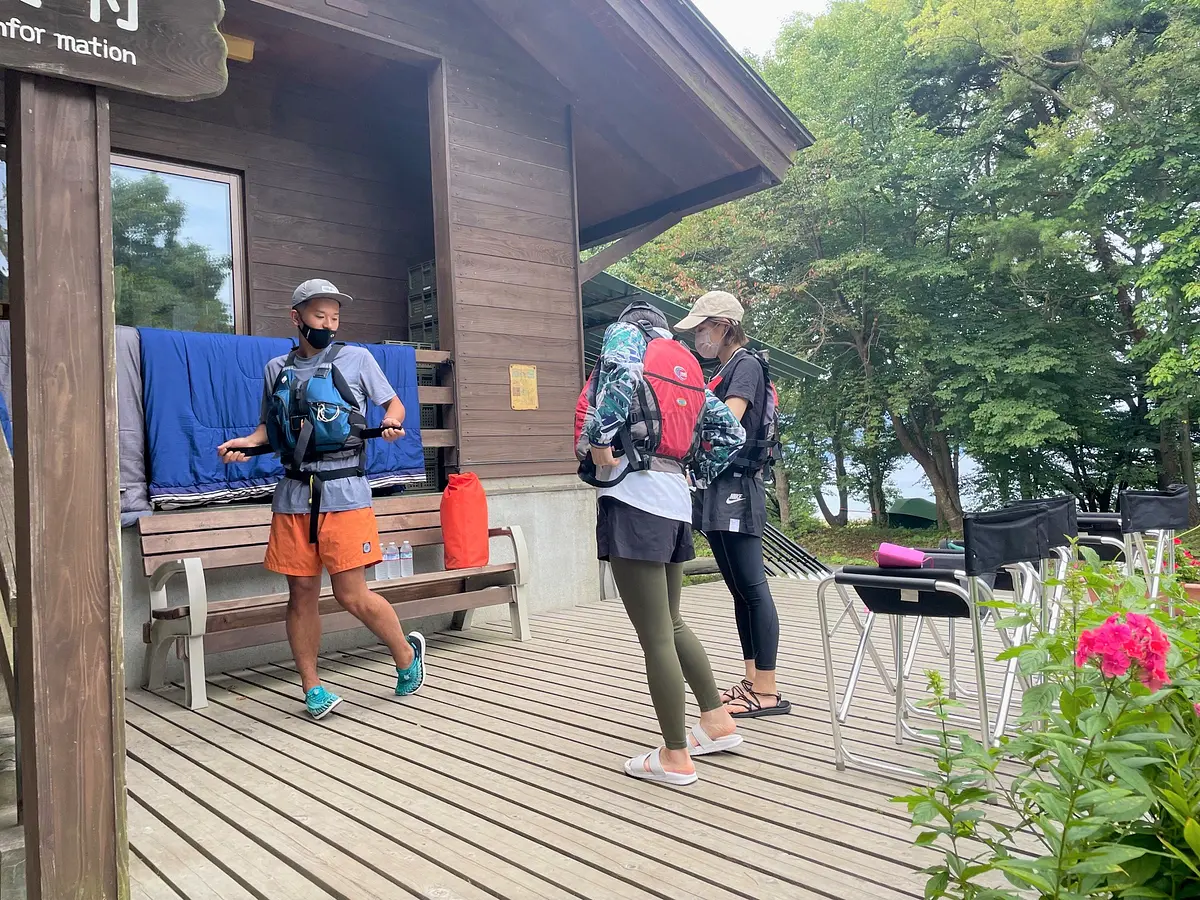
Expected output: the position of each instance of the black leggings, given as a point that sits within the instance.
(740, 559)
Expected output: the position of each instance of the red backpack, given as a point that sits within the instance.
(663, 429)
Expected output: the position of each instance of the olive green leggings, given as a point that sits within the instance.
(650, 592)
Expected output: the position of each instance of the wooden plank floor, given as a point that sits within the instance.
(502, 778)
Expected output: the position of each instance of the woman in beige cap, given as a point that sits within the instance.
(732, 510)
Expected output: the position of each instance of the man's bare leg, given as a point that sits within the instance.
(351, 591)
(304, 626)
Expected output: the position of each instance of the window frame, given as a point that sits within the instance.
(234, 181)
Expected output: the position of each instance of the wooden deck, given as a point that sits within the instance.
(502, 779)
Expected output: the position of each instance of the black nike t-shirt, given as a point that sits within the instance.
(742, 377)
(736, 501)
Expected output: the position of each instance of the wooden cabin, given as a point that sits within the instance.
(445, 162)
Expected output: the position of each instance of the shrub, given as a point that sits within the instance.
(1097, 795)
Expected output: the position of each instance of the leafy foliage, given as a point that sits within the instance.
(993, 247)
(1105, 800)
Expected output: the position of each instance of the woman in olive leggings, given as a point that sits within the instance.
(643, 529)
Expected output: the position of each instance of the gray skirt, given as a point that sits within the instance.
(625, 532)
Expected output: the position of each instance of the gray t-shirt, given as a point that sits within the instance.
(367, 382)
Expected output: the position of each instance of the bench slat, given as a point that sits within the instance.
(252, 555)
(399, 588)
(276, 632)
(260, 514)
(220, 538)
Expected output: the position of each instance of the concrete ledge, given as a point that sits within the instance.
(12, 863)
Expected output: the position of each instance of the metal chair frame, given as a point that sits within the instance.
(1031, 584)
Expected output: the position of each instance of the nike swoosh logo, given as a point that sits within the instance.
(734, 498)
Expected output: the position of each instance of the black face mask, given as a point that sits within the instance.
(320, 338)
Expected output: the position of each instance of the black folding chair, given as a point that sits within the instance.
(1150, 519)
(1001, 540)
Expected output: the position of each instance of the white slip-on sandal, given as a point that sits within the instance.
(636, 768)
(706, 745)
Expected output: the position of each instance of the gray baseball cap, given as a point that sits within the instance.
(318, 287)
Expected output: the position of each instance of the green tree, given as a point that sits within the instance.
(161, 281)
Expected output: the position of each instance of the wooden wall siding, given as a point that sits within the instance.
(336, 185)
(513, 238)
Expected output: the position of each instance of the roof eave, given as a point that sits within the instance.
(745, 72)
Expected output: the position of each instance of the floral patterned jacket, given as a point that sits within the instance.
(617, 377)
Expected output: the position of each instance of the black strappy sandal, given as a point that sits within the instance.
(754, 708)
(735, 692)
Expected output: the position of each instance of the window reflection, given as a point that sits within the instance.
(176, 246)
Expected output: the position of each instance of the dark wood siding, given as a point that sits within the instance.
(330, 129)
(336, 183)
(512, 213)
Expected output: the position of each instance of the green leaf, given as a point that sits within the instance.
(1107, 860)
(935, 887)
(923, 812)
(1032, 660)
(1068, 705)
(1028, 872)
(1180, 855)
(1039, 699)
(1123, 809)
(1191, 834)
(926, 838)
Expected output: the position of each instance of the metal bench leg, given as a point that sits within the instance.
(194, 688)
(518, 610)
(913, 644)
(898, 649)
(856, 668)
(518, 613)
(154, 667)
(463, 620)
(839, 756)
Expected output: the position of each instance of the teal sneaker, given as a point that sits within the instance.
(409, 681)
(320, 702)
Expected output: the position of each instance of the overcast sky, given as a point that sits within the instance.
(752, 24)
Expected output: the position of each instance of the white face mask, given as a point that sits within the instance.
(709, 344)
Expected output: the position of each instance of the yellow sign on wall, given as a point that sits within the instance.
(522, 381)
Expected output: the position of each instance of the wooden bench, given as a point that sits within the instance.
(191, 543)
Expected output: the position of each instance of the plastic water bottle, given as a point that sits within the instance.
(406, 560)
(391, 562)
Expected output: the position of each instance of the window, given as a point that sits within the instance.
(178, 250)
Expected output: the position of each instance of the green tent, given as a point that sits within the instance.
(912, 512)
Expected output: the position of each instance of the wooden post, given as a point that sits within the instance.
(70, 680)
(439, 151)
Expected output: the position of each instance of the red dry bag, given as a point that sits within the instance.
(465, 522)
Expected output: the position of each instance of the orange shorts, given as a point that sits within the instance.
(345, 540)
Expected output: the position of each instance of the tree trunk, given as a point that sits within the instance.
(938, 464)
(1169, 446)
(842, 516)
(876, 496)
(1188, 465)
(783, 493)
(834, 520)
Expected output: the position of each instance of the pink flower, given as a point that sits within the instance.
(1196, 708)
(1136, 643)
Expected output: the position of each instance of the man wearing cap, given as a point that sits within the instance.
(347, 536)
